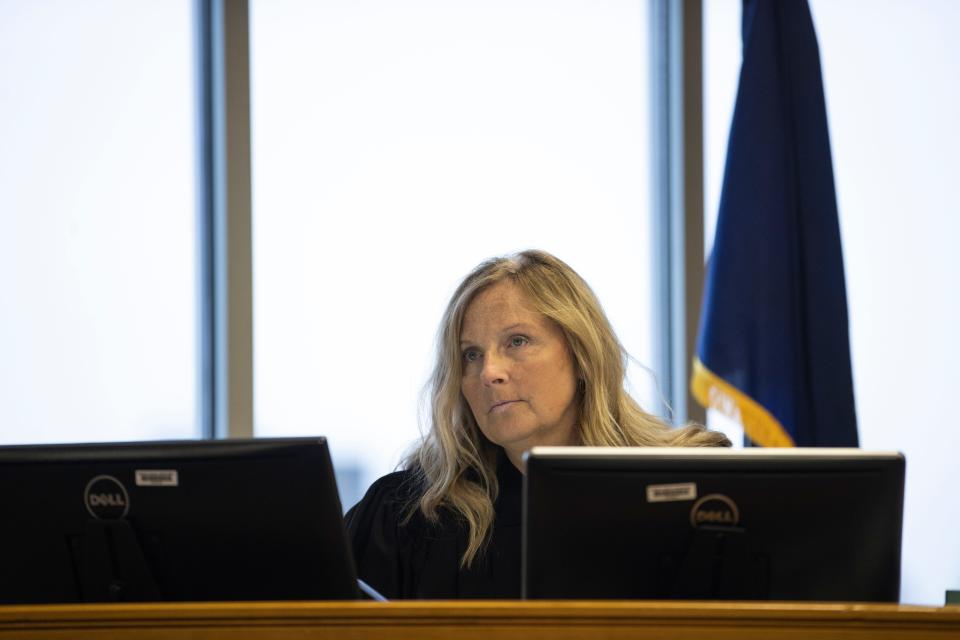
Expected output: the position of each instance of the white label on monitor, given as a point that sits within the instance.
(156, 477)
(672, 492)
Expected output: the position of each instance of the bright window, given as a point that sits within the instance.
(395, 146)
(97, 267)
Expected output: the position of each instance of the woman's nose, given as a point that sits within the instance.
(495, 368)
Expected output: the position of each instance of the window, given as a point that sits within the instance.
(395, 146)
(97, 267)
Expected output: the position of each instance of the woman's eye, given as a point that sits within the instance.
(518, 341)
(471, 355)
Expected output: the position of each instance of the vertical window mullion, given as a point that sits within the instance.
(677, 147)
(226, 310)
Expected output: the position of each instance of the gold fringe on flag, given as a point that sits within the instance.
(713, 392)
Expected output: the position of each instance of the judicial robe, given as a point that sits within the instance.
(420, 559)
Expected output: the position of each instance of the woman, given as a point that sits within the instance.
(525, 357)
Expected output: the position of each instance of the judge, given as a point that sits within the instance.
(526, 357)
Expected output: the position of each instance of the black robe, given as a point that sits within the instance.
(419, 559)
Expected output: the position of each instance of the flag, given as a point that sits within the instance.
(773, 350)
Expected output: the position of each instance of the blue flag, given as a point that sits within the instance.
(773, 350)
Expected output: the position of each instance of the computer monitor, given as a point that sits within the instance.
(184, 521)
(753, 524)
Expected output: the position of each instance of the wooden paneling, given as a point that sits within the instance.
(486, 620)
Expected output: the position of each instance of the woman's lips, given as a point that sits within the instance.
(503, 405)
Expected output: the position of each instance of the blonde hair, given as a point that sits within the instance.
(456, 464)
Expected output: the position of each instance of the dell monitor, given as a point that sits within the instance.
(753, 524)
(184, 521)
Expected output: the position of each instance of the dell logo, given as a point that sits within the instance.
(106, 498)
(715, 517)
(715, 509)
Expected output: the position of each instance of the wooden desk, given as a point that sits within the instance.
(480, 620)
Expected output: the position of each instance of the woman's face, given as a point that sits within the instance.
(519, 376)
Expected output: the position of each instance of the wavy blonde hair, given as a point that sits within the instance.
(456, 464)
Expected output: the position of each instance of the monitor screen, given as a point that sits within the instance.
(753, 524)
(186, 521)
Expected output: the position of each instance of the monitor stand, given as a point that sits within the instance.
(716, 564)
(111, 564)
